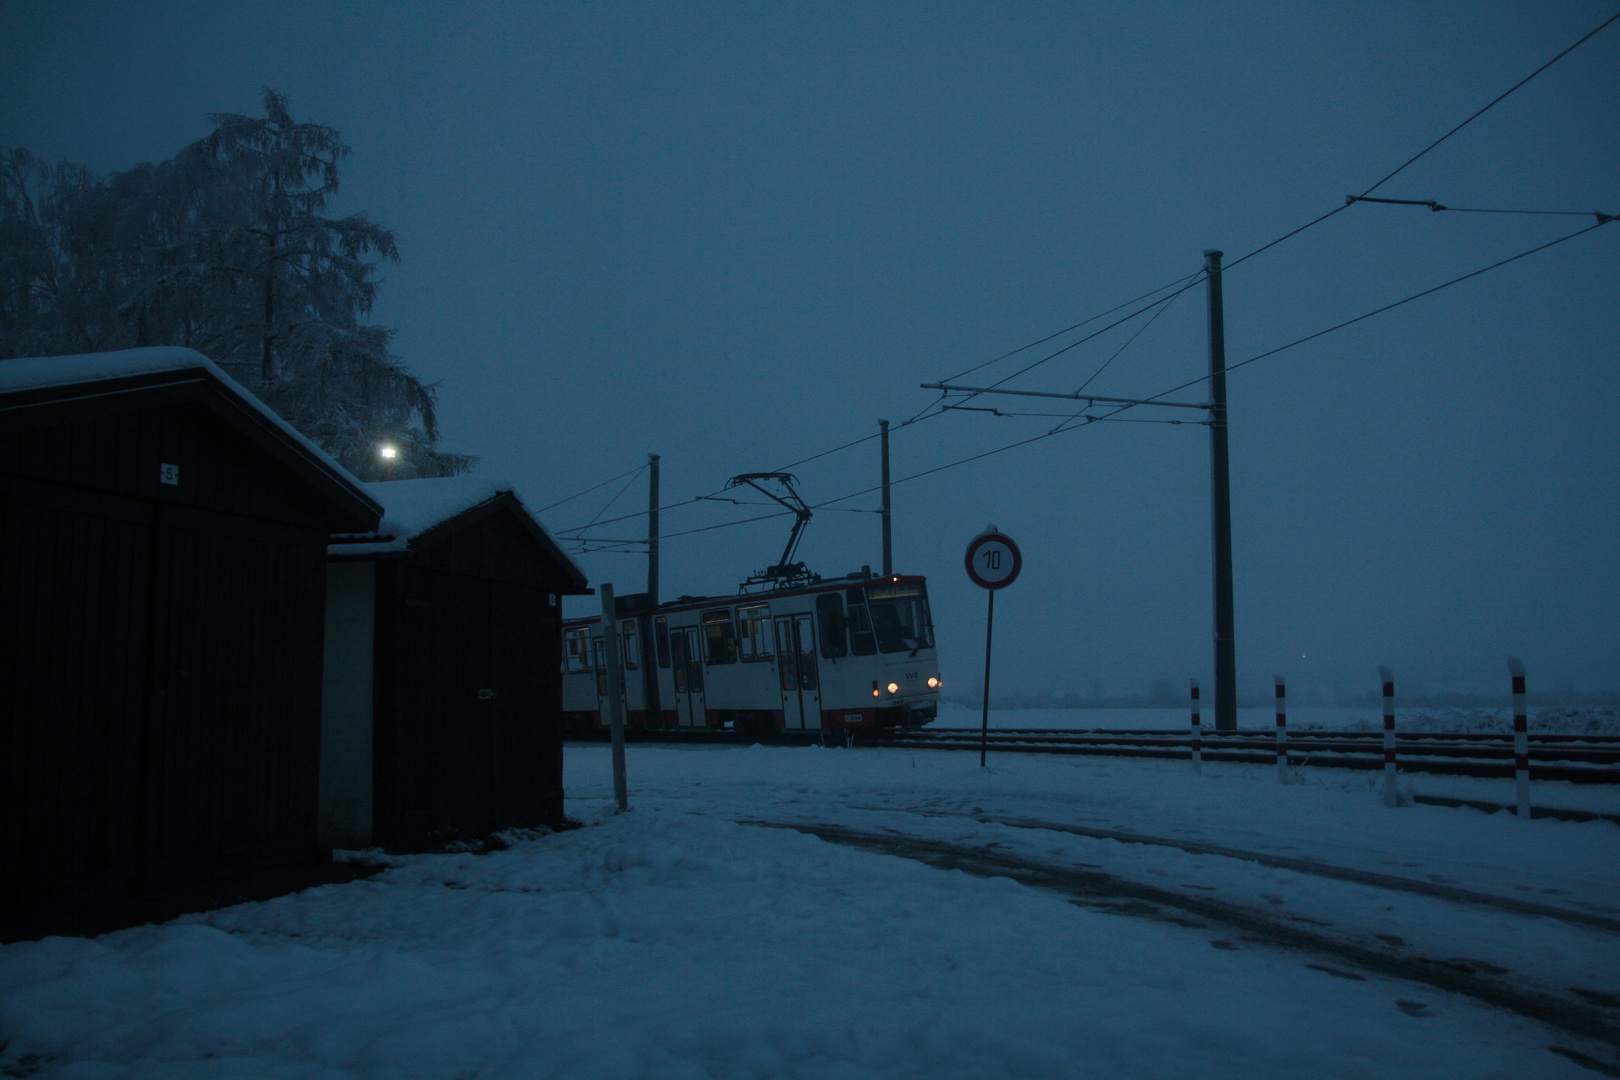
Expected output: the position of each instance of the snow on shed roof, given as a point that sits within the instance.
(46, 372)
(32, 372)
(412, 507)
(40, 372)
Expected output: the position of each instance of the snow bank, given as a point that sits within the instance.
(1553, 720)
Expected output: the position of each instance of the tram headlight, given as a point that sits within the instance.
(894, 688)
(933, 682)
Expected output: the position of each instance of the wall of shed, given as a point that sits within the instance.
(346, 706)
(159, 672)
(468, 692)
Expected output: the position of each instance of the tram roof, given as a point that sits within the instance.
(693, 603)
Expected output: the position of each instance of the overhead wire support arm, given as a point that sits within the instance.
(1093, 398)
(1602, 218)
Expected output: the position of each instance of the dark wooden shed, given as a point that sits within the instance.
(443, 694)
(162, 582)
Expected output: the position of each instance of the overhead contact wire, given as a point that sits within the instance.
(588, 490)
(1409, 161)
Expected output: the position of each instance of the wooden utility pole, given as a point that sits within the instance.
(1220, 490)
(888, 537)
(652, 531)
(1225, 697)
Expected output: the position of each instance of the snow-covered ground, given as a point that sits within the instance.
(685, 939)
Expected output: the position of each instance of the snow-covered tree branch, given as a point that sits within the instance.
(228, 249)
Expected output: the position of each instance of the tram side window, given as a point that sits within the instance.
(861, 640)
(719, 637)
(754, 632)
(661, 640)
(629, 644)
(576, 650)
(830, 613)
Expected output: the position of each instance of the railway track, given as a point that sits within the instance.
(1588, 759)
(1582, 759)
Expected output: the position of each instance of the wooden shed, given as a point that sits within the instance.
(443, 692)
(163, 541)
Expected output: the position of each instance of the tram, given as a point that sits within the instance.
(826, 655)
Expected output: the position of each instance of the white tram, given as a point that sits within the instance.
(821, 655)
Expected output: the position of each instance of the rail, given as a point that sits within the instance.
(1580, 758)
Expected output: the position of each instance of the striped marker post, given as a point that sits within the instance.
(1387, 677)
(1521, 737)
(1282, 731)
(1197, 732)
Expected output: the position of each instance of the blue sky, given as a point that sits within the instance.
(738, 236)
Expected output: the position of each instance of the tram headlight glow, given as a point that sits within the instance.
(933, 682)
(894, 688)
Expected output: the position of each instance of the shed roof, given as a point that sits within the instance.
(174, 373)
(415, 511)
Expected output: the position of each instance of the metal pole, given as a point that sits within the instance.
(1391, 795)
(615, 693)
(1521, 738)
(984, 720)
(1282, 731)
(888, 537)
(1221, 506)
(652, 531)
(1197, 732)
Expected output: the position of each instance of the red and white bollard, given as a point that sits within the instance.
(1282, 731)
(1521, 737)
(1197, 732)
(1387, 677)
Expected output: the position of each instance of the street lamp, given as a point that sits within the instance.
(388, 454)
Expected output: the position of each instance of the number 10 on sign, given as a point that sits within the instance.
(993, 562)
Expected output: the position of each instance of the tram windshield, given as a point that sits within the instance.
(900, 616)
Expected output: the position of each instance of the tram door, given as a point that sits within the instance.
(686, 665)
(796, 664)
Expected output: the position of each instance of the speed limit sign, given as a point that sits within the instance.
(993, 560)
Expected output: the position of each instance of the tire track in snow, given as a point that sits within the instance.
(1375, 878)
(1106, 892)
(1320, 869)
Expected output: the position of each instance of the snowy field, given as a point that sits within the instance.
(682, 940)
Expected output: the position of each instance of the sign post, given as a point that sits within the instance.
(615, 692)
(993, 562)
